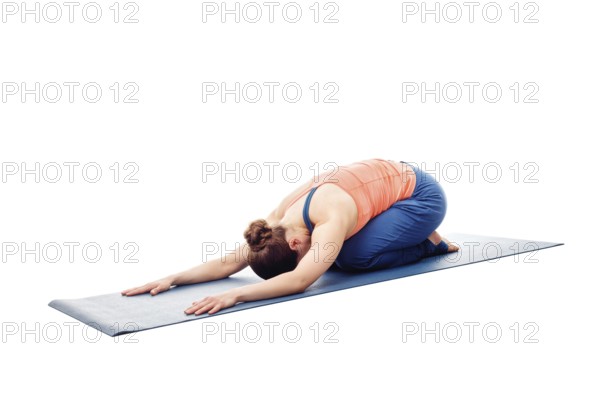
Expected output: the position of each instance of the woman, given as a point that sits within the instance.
(368, 215)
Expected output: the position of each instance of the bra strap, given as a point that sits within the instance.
(305, 210)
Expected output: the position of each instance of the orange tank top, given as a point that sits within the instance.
(374, 185)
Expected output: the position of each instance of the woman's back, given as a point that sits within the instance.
(374, 185)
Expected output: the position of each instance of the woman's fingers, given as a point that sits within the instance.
(204, 309)
(192, 309)
(153, 288)
(200, 307)
(216, 308)
(137, 290)
(124, 292)
(158, 289)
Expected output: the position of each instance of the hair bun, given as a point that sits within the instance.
(258, 234)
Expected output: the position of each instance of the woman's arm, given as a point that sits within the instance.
(218, 268)
(327, 240)
(212, 270)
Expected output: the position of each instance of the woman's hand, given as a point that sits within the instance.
(212, 304)
(153, 287)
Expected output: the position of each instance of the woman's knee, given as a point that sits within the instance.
(439, 210)
(434, 211)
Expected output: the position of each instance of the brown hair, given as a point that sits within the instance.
(270, 254)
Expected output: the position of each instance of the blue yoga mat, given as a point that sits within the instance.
(114, 314)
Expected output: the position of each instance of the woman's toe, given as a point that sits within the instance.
(451, 246)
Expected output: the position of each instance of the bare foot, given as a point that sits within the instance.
(436, 238)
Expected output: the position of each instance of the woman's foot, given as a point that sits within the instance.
(442, 244)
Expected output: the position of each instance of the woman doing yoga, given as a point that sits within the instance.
(365, 216)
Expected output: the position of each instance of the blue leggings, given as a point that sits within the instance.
(398, 236)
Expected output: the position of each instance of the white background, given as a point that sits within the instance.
(171, 132)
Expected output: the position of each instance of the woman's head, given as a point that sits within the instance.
(270, 252)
